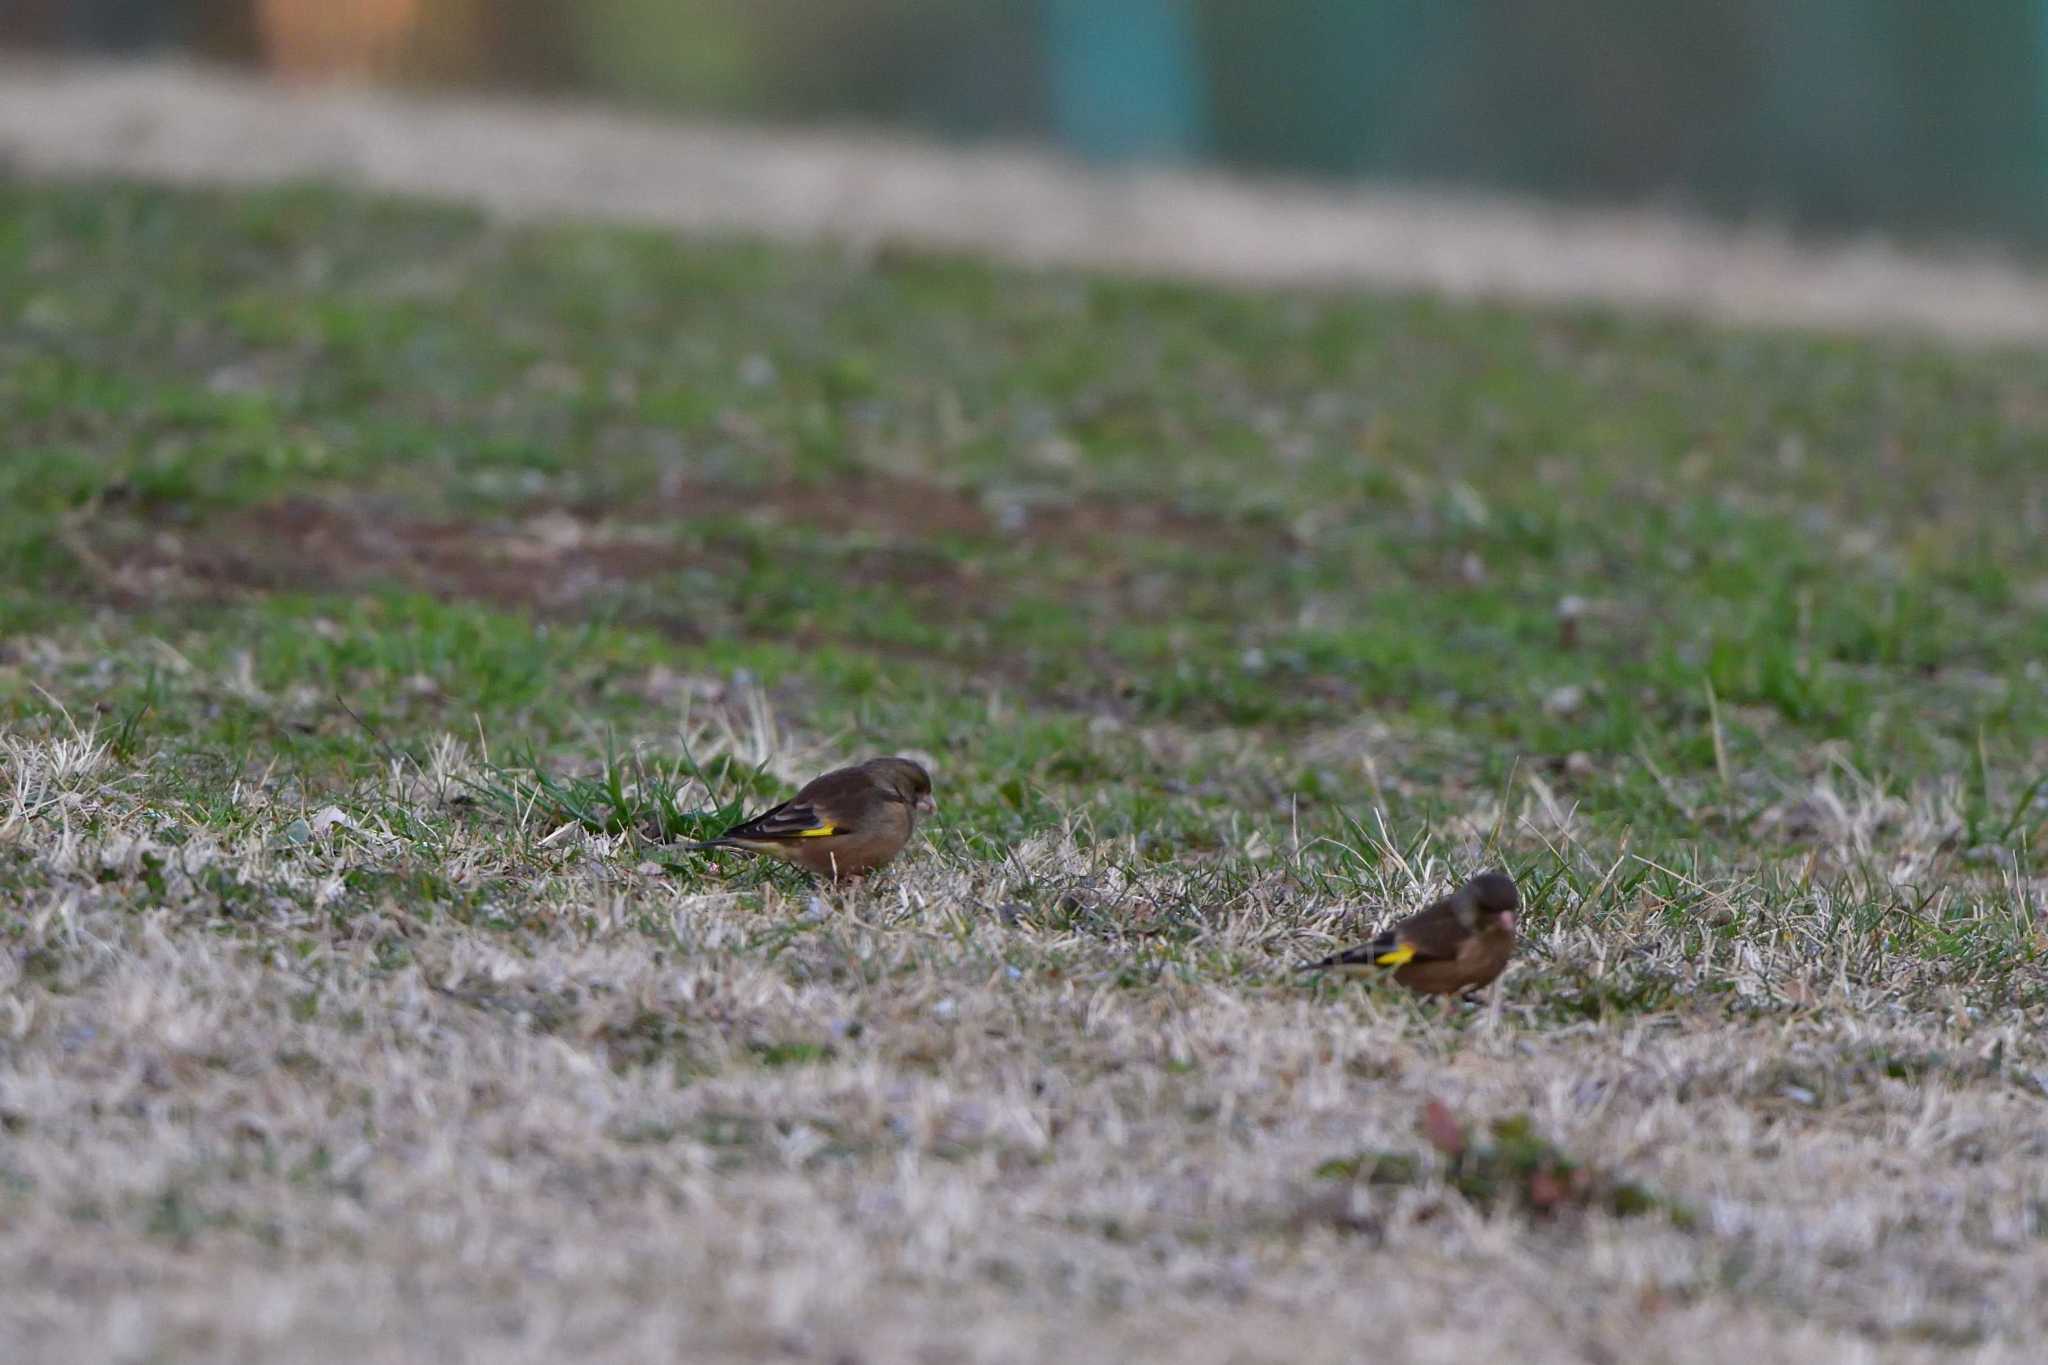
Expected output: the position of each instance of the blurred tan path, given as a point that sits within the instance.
(525, 158)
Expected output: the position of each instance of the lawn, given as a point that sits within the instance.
(390, 589)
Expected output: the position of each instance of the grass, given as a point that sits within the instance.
(392, 588)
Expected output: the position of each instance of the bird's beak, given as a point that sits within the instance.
(928, 804)
(1507, 919)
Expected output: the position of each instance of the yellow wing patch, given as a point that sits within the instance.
(1394, 957)
(818, 833)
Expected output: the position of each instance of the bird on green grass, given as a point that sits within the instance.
(845, 824)
(1458, 944)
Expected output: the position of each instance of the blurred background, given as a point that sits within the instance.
(1916, 117)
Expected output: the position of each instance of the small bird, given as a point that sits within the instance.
(1451, 946)
(844, 824)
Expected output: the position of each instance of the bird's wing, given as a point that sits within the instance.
(790, 820)
(1384, 951)
(832, 804)
(1433, 935)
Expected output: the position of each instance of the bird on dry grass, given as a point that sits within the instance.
(845, 824)
(1458, 944)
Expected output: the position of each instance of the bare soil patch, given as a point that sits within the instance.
(555, 556)
(911, 510)
(546, 560)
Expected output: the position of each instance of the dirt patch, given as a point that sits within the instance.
(556, 557)
(549, 560)
(920, 545)
(913, 512)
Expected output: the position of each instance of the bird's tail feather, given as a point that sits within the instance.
(1384, 951)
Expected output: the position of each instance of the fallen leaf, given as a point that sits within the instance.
(1546, 1191)
(1442, 1129)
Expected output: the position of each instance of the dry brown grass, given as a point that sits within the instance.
(615, 1115)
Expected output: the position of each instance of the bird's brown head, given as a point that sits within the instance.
(911, 783)
(1494, 896)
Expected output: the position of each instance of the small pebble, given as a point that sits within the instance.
(1566, 700)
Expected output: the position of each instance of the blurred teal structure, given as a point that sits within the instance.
(1124, 76)
(1916, 116)
(1907, 115)
(1911, 115)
